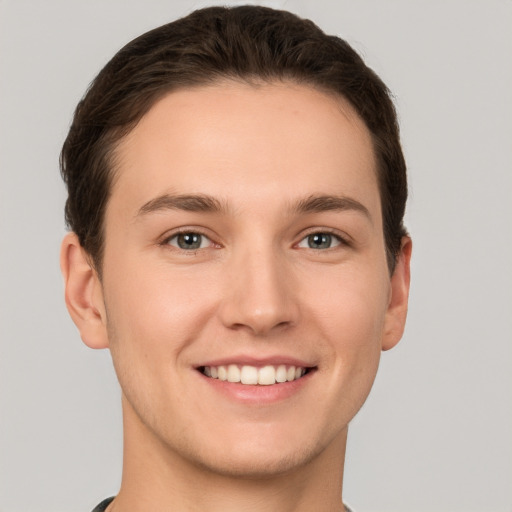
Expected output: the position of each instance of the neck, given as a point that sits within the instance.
(155, 477)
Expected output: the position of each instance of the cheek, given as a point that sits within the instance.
(158, 310)
(351, 304)
(152, 318)
(351, 319)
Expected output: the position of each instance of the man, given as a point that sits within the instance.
(236, 199)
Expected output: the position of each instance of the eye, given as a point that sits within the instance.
(320, 241)
(189, 241)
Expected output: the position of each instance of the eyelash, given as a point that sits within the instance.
(186, 231)
(340, 240)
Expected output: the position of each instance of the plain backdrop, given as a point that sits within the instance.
(436, 433)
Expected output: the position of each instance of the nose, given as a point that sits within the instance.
(259, 294)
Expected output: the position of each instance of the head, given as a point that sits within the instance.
(248, 44)
(237, 189)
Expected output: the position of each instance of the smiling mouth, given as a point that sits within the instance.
(253, 375)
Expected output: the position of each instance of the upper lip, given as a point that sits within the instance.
(275, 360)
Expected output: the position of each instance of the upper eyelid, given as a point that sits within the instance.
(168, 235)
(339, 243)
(165, 243)
(341, 236)
(205, 239)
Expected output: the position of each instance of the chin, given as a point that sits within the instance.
(261, 456)
(256, 465)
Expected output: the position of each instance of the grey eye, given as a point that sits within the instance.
(319, 241)
(189, 241)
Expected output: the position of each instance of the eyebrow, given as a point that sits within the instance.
(185, 202)
(207, 204)
(326, 203)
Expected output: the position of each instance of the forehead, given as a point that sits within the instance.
(246, 143)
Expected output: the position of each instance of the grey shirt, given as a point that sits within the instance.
(105, 503)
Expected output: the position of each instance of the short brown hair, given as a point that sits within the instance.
(243, 43)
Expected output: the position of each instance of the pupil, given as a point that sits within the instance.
(189, 241)
(319, 241)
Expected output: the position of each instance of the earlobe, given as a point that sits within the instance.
(83, 293)
(399, 297)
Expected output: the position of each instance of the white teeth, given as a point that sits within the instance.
(249, 375)
(267, 376)
(252, 375)
(222, 373)
(281, 373)
(233, 373)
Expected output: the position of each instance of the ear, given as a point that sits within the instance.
(83, 293)
(399, 297)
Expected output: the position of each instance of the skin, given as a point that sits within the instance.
(255, 288)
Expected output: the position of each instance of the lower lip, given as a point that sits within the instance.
(258, 394)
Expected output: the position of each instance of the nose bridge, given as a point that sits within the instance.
(259, 291)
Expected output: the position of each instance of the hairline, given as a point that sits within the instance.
(119, 134)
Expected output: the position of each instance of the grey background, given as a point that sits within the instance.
(435, 434)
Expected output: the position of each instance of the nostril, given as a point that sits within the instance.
(259, 300)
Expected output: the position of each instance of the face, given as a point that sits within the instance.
(243, 241)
